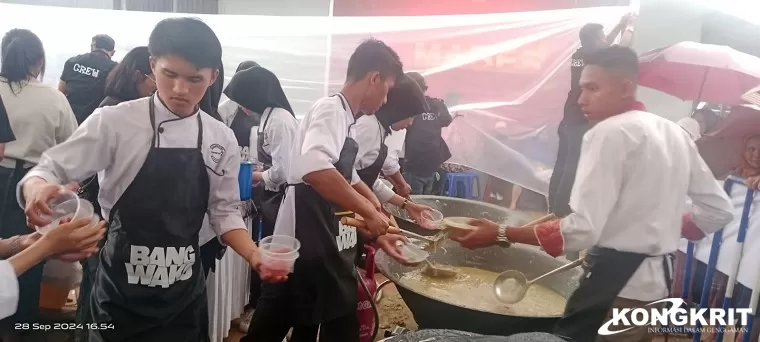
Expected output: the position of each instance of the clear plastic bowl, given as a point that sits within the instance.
(279, 253)
(68, 207)
(278, 264)
(412, 253)
(431, 219)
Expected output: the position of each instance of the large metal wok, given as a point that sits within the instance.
(430, 313)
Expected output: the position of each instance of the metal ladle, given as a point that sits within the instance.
(511, 286)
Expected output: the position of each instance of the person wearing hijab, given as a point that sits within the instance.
(405, 101)
(258, 92)
(231, 112)
(130, 80)
(210, 101)
(748, 271)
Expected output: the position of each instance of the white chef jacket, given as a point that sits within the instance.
(369, 133)
(8, 289)
(317, 145)
(227, 110)
(634, 172)
(692, 126)
(278, 138)
(114, 142)
(750, 254)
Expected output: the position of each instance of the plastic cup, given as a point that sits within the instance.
(279, 253)
(431, 219)
(68, 207)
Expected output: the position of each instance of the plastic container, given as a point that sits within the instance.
(457, 227)
(245, 180)
(68, 207)
(431, 219)
(279, 253)
(412, 253)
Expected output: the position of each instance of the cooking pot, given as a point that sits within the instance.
(431, 313)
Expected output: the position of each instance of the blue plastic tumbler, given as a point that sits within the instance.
(245, 180)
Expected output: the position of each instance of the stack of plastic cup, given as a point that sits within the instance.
(279, 253)
(431, 219)
(68, 207)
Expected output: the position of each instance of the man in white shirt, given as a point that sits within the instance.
(635, 170)
(323, 185)
(162, 164)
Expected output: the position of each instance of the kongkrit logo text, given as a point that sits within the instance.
(627, 319)
(162, 266)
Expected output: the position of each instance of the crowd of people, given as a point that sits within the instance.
(147, 141)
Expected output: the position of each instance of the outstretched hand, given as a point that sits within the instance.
(484, 236)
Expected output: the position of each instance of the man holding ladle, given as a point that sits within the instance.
(635, 170)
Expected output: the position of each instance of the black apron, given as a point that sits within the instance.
(324, 278)
(269, 201)
(153, 228)
(370, 173)
(608, 272)
(241, 125)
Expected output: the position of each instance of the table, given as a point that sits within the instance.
(228, 291)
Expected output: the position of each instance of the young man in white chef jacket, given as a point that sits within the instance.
(165, 163)
(321, 295)
(635, 170)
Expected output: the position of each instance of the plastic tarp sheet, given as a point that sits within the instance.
(505, 76)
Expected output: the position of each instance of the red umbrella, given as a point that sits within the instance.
(705, 72)
(722, 147)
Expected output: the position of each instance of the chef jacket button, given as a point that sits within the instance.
(160, 130)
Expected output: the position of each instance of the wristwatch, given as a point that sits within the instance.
(501, 236)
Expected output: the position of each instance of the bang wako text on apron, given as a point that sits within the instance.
(161, 266)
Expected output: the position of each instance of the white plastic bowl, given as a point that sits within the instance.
(279, 253)
(412, 253)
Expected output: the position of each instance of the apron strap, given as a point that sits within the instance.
(267, 120)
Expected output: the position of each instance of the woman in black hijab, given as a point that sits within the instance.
(231, 112)
(258, 92)
(210, 101)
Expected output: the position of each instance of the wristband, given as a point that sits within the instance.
(403, 205)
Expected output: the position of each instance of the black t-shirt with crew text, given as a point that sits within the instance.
(85, 78)
(573, 111)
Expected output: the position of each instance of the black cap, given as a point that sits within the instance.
(417, 77)
(103, 41)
